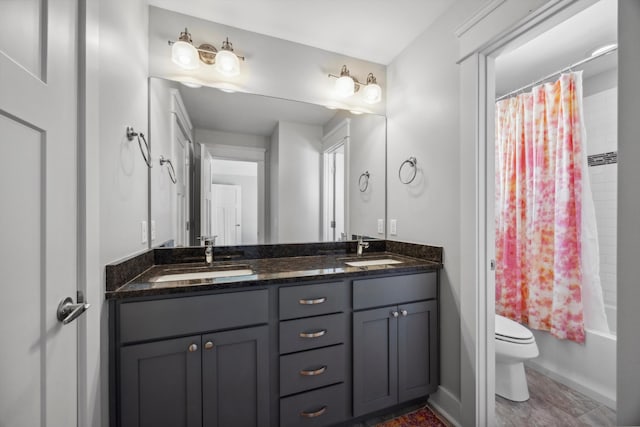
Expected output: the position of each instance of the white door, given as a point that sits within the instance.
(334, 194)
(226, 214)
(206, 195)
(181, 154)
(38, 218)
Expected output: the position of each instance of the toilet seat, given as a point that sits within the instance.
(510, 331)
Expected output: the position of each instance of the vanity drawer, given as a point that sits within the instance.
(394, 290)
(312, 300)
(312, 332)
(146, 320)
(323, 407)
(311, 369)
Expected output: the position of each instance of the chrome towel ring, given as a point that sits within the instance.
(171, 170)
(410, 162)
(132, 134)
(363, 181)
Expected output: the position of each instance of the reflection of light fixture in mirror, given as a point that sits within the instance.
(356, 112)
(346, 85)
(187, 56)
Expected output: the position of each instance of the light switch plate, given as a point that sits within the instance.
(143, 232)
(153, 230)
(393, 227)
(381, 226)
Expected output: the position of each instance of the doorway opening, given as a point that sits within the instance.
(232, 197)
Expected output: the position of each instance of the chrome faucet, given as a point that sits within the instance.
(209, 242)
(361, 245)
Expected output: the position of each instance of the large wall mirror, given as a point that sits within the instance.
(252, 169)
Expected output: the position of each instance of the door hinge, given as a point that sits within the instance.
(493, 265)
(333, 224)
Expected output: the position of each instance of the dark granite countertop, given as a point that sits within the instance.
(266, 271)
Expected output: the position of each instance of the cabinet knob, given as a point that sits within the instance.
(394, 314)
(193, 347)
(208, 345)
(404, 312)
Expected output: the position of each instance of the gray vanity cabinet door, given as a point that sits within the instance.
(160, 384)
(235, 378)
(375, 360)
(417, 350)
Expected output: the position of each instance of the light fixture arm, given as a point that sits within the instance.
(206, 51)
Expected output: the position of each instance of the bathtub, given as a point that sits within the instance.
(589, 368)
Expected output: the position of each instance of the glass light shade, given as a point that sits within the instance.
(227, 63)
(185, 55)
(372, 93)
(345, 86)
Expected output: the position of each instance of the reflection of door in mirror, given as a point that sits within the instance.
(181, 153)
(226, 213)
(335, 146)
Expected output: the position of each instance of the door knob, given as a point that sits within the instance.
(404, 312)
(394, 314)
(68, 311)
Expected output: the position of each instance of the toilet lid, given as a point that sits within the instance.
(508, 330)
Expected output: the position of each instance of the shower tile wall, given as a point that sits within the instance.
(600, 114)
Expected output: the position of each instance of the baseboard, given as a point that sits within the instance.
(605, 400)
(447, 404)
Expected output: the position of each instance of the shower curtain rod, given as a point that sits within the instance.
(577, 64)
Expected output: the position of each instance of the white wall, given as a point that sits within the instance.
(628, 392)
(600, 117)
(423, 122)
(274, 67)
(120, 75)
(295, 207)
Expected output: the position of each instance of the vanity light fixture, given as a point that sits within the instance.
(187, 56)
(347, 85)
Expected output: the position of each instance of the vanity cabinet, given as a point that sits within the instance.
(217, 379)
(313, 354)
(395, 347)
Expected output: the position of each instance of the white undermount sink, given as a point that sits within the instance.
(201, 275)
(370, 262)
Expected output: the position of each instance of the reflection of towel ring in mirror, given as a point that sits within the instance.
(171, 170)
(411, 162)
(132, 134)
(363, 181)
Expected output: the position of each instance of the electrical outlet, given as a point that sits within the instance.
(153, 230)
(144, 232)
(381, 226)
(393, 227)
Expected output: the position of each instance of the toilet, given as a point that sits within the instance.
(514, 345)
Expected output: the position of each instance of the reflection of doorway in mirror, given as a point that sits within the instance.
(334, 159)
(234, 202)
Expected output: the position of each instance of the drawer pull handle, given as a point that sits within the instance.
(192, 348)
(312, 301)
(316, 334)
(317, 413)
(311, 373)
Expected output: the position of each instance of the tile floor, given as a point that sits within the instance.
(552, 404)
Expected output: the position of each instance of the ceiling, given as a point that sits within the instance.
(567, 43)
(211, 108)
(372, 30)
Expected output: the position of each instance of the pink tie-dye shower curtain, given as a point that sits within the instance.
(539, 172)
